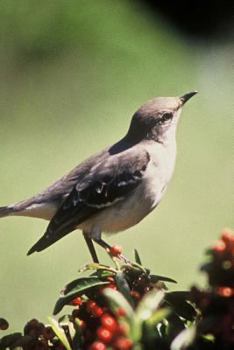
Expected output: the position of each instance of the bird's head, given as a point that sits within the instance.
(157, 118)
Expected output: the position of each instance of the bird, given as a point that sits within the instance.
(114, 189)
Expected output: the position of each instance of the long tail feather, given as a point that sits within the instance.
(5, 211)
(48, 239)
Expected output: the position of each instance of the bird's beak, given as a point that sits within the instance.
(187, 96)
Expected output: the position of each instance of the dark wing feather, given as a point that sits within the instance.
(108, 182)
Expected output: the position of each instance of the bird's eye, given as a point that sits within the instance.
(166, 116)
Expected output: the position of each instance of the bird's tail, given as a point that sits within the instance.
(49, 238)
(6, 211)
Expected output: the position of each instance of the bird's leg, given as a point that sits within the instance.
(96, 236)
(108, 247)
(90, 245)
(102, 243)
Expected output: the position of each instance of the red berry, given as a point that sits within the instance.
(97, 311)
(116, 250)
(82, 324)
(110, 279)
(112, 286)
(77, 301)
(123, 344)
(228, 239)
(97, 345)
(3, 324)
(227, 235)
(219, 247)
(121, 312)
(94, 309)
(104, 335)
(91, 304)
(123, 329)
(136, 295)
(225, 291)
(109, 322)
(48, 333)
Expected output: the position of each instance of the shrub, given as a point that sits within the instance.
(126, 307)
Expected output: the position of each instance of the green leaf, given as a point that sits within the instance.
(118, 300)
(179, 295)
(157, 278)
(149, 304)
(77, 288)
(9, 340)
(158, 316)
(184, 339)
(137, 257)
(150, 329)
(123, 287)
(64, 318)
(209, 337)
(102, 274)
(82, 282)
(77, 341)
(97, 267)
(144, 311)
(175, 325)
(60, 333)
(179, 302)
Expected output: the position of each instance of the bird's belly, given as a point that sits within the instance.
(127, 213)
(132, 209)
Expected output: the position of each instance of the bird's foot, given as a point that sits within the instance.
(116, 252)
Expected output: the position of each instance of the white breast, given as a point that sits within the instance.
(128, 212)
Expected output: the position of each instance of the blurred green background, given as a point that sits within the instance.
(72, 74)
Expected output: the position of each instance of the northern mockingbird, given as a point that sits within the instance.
(116, 188)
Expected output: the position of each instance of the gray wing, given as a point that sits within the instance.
(63, 186)
(108, 182)
(59, 190)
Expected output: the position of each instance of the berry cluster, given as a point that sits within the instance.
(41, 337)
(216, 303)
(36, 336)
(126, 307)
(221, 268)
(100, 328)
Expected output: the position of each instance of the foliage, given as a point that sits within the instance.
(125, 306)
